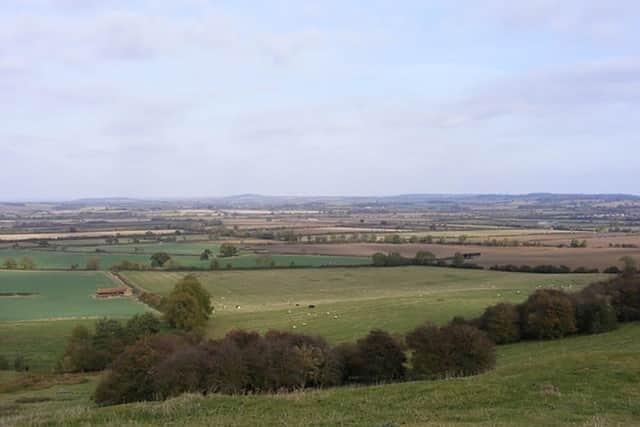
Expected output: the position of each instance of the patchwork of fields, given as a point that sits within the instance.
(60, 295)
(350, 302)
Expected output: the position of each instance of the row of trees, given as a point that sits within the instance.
(394, 259)
(24, 263)
(246, 362)
(551, 314)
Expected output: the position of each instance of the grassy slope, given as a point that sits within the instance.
(586, 381)
(350, 302)
(60, 294)
(41, 343)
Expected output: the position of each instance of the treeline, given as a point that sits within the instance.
(395, 259)
(550, 269)
(162, 366)
(551, 314)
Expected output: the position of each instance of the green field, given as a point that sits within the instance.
(60, 295)
(350, 302)
(40, 342)
(59, 259)
(579, 381)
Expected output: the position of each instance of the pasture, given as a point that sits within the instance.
(183, 254)
(57, 295)
(590, 257)
(578, 381)
(350, 302)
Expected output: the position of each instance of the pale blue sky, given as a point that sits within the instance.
(154, 98)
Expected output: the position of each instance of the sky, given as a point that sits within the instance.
(198, 98)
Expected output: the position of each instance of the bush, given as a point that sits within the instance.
(80, 354)
(4, 363)
(455, 350)
(226, 370)
(595, 315)
(20, 364)
(548, 314)
(183, 371)
(131, 379)
(381, 358)
(611, 270)
(501, 323)
(626, 298)
(142, 325)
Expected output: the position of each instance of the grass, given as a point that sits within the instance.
(41, 343)
(350, 302)
(59, 259)
(581, 381)
(60, 295)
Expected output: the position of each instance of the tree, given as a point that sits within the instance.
(424, 258)
(158, 259)
(130, 378)
(80, 354)
(228, 250)
(501, 322)
(189, 304)
(454, 350)
(458, 260)
(205, 254)
(93, 263)
(215, 264)
(142, 325)
(10, 264)
(27, 263)
(382, 358)
(629, 266)
(548, 314)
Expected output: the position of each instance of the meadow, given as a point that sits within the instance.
(578, 381)
(350, 302)
(183, 254)
(60, 295)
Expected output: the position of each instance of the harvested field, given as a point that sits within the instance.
(79, 234)
(572, 257)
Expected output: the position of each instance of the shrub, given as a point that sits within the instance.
(548, 314)
(424, 258)
(131, 379)
(20, 364)
(183, 371)
(142, 325)
(4, 363)
(626, 298)
(455, 350)
(80, 354)
(226, 370)
(501, 323)
(381, 358)
(595, 315)
(349, 361)
(611, 270)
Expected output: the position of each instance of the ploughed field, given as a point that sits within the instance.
(343, 304)
(39, 295)
(580, 381)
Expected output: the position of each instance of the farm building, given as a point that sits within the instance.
(113, 292)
